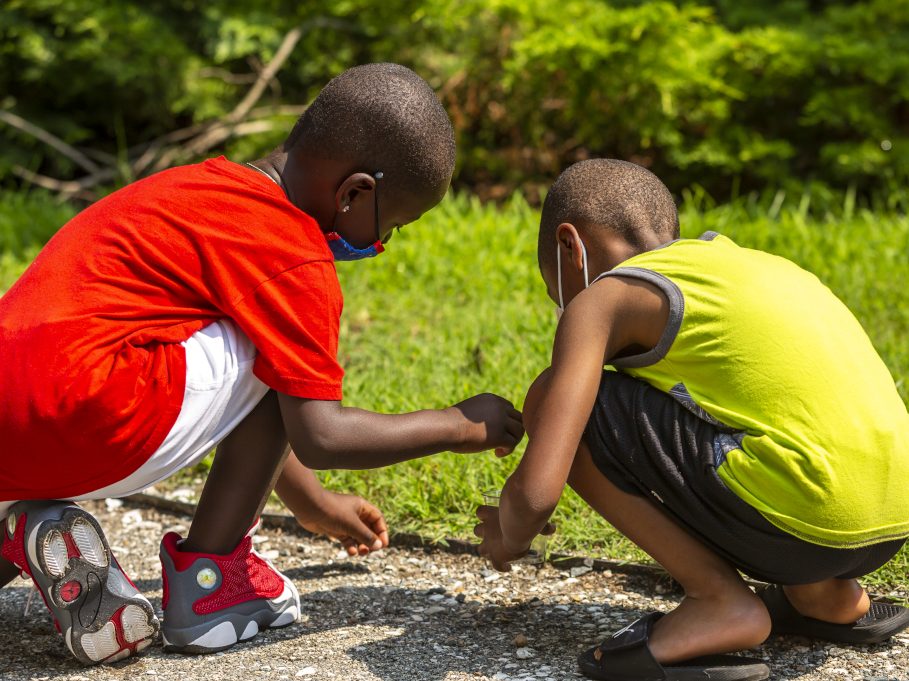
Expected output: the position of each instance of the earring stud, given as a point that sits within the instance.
(345, 209)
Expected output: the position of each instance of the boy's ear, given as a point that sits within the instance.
(351, 187)
(569, 241)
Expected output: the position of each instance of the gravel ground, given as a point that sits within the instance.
(401, 615)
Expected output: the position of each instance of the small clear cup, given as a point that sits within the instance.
(537, 553)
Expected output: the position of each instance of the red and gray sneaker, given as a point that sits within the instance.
(102, 615)
(212, 602)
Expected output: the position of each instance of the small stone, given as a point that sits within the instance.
(581, 570)
(113, 504)
(524, 653)
(434, 610)
(306, 671)
(131, 517)
(520, 641)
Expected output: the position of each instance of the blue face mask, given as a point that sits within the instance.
(342, 249)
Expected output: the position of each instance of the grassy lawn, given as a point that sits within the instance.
(456, 306)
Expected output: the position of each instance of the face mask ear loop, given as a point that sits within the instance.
(584, 258)
(559, 270)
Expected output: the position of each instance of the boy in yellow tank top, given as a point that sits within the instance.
(749, 426)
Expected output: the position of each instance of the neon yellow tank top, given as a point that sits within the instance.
(763, 347)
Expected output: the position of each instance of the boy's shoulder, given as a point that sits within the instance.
(710, 257)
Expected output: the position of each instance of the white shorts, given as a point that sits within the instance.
(220, 392)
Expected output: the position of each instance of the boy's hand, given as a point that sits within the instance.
(351, 520)
(491, 533)
(488, 422)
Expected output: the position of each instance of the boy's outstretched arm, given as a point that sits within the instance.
(613, 317)
(325, 434)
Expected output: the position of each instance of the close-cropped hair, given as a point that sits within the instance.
(606, 193)
(380, 117)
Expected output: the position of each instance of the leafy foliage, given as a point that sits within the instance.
(702, 92)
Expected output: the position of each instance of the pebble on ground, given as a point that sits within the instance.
(401, 615)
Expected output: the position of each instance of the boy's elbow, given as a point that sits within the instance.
(534, 503)
(315, 461)
(314, 453)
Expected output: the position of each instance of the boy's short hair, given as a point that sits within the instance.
(380, 117)
(611, 194)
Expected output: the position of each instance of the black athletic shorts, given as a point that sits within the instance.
(664, 447)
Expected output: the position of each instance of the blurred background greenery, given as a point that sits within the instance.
(730, 95)
(783, 124)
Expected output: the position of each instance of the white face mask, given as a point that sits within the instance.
(561, 306)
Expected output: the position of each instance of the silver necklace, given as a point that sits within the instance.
(263, 172)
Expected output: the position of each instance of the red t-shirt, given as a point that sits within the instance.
(91, 367)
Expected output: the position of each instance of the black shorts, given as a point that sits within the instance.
(649, 443)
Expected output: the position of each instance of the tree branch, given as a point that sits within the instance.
(66, 189)
(51, 140)
(160, 153)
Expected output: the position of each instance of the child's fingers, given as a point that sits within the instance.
(362, 534)
(373, 517)
(479, 530)
(549, 528)
(515, 429)
(500, 566)
(486, 512)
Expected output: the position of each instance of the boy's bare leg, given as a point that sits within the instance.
(841, 601)
(247, 464)
(8, 572)
(719, 613)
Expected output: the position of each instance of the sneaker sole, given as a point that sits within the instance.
(102, 615)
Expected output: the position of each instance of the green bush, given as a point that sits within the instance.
(705, 92)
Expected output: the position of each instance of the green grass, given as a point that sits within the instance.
(456, 306)
(27, 221)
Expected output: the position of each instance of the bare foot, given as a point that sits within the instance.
(841, 601)
(711, 624)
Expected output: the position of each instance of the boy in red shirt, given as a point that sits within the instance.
(200, 307)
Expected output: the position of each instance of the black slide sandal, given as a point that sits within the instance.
(626, 657)
(882, 621)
